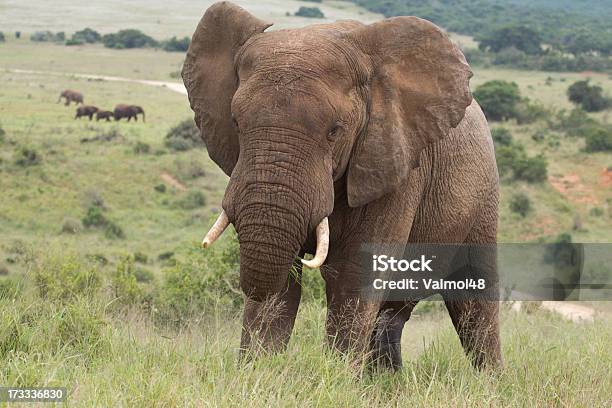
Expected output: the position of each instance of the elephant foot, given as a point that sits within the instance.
(387, 356)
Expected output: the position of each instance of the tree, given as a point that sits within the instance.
(598, 140)
(176, 44)
(130, 38)
(310, 12)
(589, 97)
(520, 37)
(87, 35)
(498, 99)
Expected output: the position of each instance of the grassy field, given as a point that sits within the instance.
(154, 17)
(104, 339)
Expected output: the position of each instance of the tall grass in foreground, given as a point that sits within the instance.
(116, 356)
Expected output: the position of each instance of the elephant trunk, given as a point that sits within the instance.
(270, 232)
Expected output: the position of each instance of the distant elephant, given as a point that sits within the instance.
(129, 112)
(71, 96)
(104, 114)
(336, 135)
(86, 110)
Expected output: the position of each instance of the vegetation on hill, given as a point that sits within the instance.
(577, 35)
(310, 12)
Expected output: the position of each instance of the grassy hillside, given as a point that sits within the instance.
(159, 19)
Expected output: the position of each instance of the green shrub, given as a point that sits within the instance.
(501, 136)
(124, 284)
(528, 112)
(598, 140)
(160, 188)
(209, 279)
(519, 37)
(142, 148)
(2, 38)
(27, 156)
(588, 97)
(66, 279)
(498, 99)
(596, 212)
(143, 275)
(192, 200)
(176, 44)
(71, 225)
(48, 36)
(309, 12)
(184, 136)
(573, 123)
(129, 38)
(141, 257)
(189, 169)
(531, 169)
(520, 204)
(2, 134)
(86, 35)
(71, 42)
(113, 231)
(506, 156)
(94, 218)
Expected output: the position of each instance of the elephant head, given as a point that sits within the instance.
(295, 117)
(138, 110)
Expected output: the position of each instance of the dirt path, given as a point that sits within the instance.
(172, 86)
(572, 311)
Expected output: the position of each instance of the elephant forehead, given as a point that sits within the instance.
(317, 51)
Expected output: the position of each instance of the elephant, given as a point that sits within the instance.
(71, 96)
(86, 110)
(129, 112)
(335, 135)
(104, 114)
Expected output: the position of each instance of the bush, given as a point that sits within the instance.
(520, 204)
(2, 38)
(113, 231)
(124, 284)
(192, 200)
(531, 169)
(520, 37)
(66, 279)
(48, 36)
(143, 275)
(94, 218)
(309, 12)
(72, 42)
(527, 112)
(189, 169)
(598, 139)
(2, 135)
(506, 156)
(501, 136)
(211, 279)
(588, 97)
(27, 156)
(86, 35)
(184, 136)
(498, 99)
(142, 148)
(71, 226)
(574, 123)
(140, 257)
(160, 188)
(130, 38)
(176, 44)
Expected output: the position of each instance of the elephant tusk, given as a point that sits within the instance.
(216, 230)
(322, 245)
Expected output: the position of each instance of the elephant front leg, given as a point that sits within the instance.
(267, 325)
(350, 318)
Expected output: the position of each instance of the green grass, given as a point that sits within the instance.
(120, 358)
(157, 18)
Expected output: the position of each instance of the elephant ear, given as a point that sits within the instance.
(419, 90)
(210, 77)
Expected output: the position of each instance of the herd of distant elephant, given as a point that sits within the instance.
(121, 111)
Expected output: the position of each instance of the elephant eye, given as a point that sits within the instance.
(333, 133)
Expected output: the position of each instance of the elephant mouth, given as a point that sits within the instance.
(321, 232)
